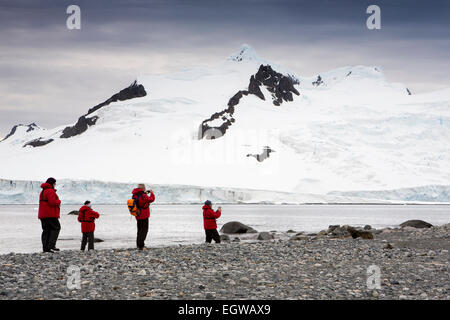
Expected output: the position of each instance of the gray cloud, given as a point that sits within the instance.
(52, 75)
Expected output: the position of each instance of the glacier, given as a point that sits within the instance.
(75, 192)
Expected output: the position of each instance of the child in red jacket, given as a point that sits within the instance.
(209, 222)
(87, 218)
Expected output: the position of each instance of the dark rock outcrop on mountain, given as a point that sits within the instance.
(207, 132)
(81, 126)
(13, 130)
(234, 100)
(30, 127)
(319, 81)
(262, 156)
(409, 92)
(254, 88)
(84, 122)
(280, 86)
(133, 91)
(416, 224)
(38, 142)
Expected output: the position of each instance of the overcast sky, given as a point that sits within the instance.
(51, 75)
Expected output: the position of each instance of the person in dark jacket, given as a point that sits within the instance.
(209, 222)
(49, 205)
(143, 203)
(87, 218)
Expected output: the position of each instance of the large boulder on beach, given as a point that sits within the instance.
(265, 236)
(416, 224)
(236, 227)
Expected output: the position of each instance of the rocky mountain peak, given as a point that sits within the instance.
(27, 128)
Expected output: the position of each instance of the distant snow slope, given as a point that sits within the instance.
(348, 130)
(432, 193)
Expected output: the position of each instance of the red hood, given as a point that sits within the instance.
(46, 186)
(136, 191)
(206, 207)
(83, 208)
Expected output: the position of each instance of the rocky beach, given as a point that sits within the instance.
(333, 264)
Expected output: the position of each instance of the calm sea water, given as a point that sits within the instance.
(20, 229)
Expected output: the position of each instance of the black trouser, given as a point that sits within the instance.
(212, 234)
(88, 237)
(50, 232)
(142, 230)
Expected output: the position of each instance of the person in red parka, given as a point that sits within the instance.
(143, 203)
(49, 204)
(87, 218)
(209, 222)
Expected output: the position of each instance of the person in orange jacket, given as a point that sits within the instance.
(143, 202)
(209, 222)
(87, 218)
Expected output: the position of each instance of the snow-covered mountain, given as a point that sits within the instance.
(251, 124)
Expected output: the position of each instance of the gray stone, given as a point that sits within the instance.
(265, 236)
(416, 224)
(236, 227)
